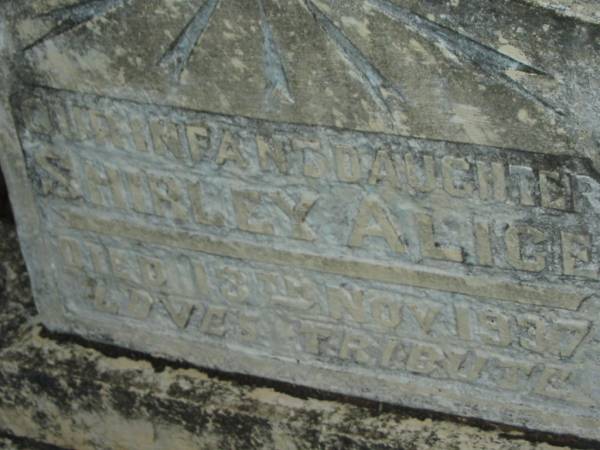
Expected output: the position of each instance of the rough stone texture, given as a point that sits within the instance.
(394, 199)
(59, 393)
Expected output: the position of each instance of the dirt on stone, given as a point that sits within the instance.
(16, 301)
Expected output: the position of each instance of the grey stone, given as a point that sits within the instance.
(383, 198)
(58, 392)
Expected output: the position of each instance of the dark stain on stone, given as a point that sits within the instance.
(190, 416)
(42, 419)
(341, 442)
(125, 402)
(240, 430)
(175, 390)
(45, 384)
(369, 407)
(24, 443)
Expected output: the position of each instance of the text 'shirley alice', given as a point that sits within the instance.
(311, 201)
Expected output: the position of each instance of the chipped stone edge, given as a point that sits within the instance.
(12, 163)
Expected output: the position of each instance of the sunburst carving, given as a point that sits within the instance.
(278, 89)
(177, 56)
(492, 62)
(386, 94)
(71, 16)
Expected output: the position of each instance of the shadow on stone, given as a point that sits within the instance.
(6, 214)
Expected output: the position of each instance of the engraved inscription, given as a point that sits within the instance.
(392, 330)
(354, 251)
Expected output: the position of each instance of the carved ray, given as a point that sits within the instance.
(178, 54)
(494, 63)
(372, 79)
(72, 16)
(278, 86)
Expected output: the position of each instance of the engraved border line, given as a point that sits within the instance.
(362, 269)
(71, 16)
(275, 73)
(178, 54)
(488, 59)
(370, 76)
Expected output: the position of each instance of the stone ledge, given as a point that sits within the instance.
(66, 392)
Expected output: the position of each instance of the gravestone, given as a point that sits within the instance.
(392, 199)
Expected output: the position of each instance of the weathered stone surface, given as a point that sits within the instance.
(59, 393)
(391, 199)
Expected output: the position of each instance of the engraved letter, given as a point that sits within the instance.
(460, 367)
(140, 201)
(347, 163)
(555, 190)
(229, 150)
(527, 184)
(234, 285)
(198, 137)
(271, 149)
(100, 298)
(576, 330)
(315, 163)
(140, 304)
(431, 248)
(385, 312)
(383, 169)
(106, 129)
(454, 171)
(213, 321)
(423, 358)
(426, 318)
(513, 238)
(297, 213)
(57, 174)
(492, 182)
(109, 177)
(314, 336)
(428, 183)
(550, 378)
(179, 309)
(340, 300)
(167, 194)
(498, 324)
(463, 322)
(298, 293)
(244, 203)
(137, 128)
(355, 344)
(373, 219)
(165, 136)
(536, 328)
(513, 373)
(483, 244)
(200, 214)
(71, 252)
(576, 250)
(153, 272)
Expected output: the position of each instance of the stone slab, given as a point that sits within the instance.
(59, 392)
(390, 199)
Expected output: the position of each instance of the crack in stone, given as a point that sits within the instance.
(70, 17)
(379, 87)
(494, 63)
(178, 54)
(277, 87)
